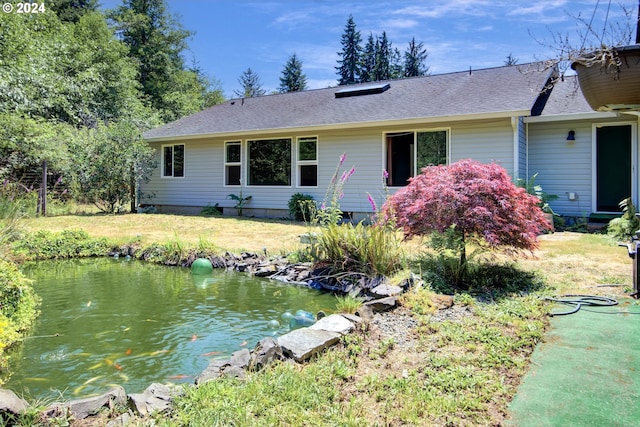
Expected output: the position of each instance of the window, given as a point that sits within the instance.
(408, 152)
(308, 161)
(173, 160)
(232, 163)
(269, 161)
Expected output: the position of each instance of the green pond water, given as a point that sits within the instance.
(113, 321)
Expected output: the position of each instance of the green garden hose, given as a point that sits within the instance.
(577, 301)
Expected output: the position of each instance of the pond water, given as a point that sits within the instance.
(111, 321)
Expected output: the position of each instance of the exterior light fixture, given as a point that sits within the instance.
(571, 136)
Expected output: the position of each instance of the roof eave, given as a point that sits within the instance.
(572, 116)
(352, 125)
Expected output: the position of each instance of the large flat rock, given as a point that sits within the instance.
(334, 323)
(303, 343)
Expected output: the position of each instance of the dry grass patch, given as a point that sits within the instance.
(582, 263)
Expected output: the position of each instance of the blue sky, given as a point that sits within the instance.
(233, 35)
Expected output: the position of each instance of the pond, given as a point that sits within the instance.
(111, 321)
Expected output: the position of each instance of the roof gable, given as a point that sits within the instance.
(511, 90)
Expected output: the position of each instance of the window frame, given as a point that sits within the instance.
(227, 163)
(301, 163)
(414, 151)
(248, 162)
(163, 171)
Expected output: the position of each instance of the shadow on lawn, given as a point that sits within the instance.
(487, 282)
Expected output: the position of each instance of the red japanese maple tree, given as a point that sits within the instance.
(477, 202)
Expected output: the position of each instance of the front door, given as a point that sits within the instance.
(613, 167)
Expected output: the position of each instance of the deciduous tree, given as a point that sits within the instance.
(475, 203)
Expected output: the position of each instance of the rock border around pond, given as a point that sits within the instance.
(298, 345)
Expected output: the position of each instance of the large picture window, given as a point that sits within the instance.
(269, 161)
(308, 161)
(173, 160)
(409, 152)
(232, 163)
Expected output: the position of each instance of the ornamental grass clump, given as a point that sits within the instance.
(467, 204)
(372, 250)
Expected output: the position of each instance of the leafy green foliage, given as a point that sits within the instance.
(18, 307)
(299, 206)
(240, 200)
(625, 227)
(209, 210)
(157, 42)
(65, 244)
(108, 164)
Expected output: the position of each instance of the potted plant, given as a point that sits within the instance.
(610, 78)
(607, 64)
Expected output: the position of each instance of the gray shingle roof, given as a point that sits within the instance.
(566, 98)
(501, 90)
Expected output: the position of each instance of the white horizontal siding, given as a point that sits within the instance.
(564, 167)
(485, 142)
(364, 150)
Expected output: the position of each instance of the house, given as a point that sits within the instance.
(273, 146)
(588, 159)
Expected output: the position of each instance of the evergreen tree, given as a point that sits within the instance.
(348, 69)
(414, 58)
(251, 85)
(72, 10)
(293, 80)
(368, 60)
(157, 41)
(383, 65)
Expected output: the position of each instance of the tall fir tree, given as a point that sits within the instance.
(293, 79)
(72, 10)
(383, 67)
(157, 41)
(348, 69)
(368, 60)
(251, 85)
(414, 58)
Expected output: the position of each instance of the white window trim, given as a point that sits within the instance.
(385, 160)
(245, 181)
(184, 161)
(224, 174)
(300, 163)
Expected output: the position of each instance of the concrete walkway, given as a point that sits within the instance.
(585, 373)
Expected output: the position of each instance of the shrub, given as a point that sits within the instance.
(625, 227)
(300, 206)
(18, 307)
(64, 244)
(472, 203)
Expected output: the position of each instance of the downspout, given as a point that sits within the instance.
(516, 148)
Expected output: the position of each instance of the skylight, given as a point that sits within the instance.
(362, 90)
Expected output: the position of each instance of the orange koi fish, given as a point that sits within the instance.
(211, 353)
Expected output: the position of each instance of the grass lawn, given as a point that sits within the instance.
(234, 234)
(454, 371)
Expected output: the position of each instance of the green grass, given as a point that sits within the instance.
(459, 372)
